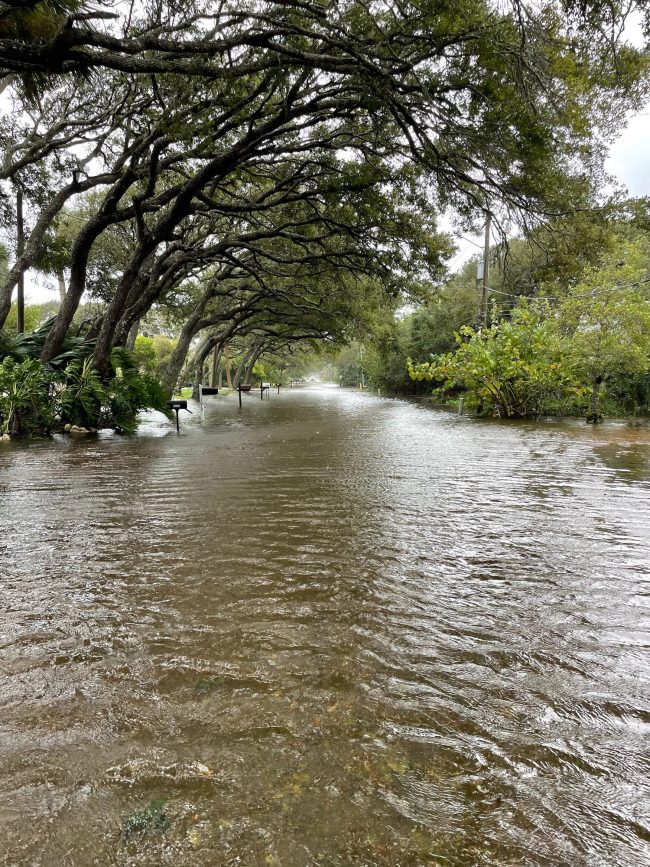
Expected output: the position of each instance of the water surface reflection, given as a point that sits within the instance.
(330, 630)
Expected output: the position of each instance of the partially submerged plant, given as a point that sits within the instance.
(149, 820)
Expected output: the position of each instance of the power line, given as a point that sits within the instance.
(589, 294)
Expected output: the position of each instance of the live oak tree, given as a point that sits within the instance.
(190, 122)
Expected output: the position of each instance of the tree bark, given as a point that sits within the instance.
(133, 333)
(115, 309)
(252, 362)
(226, 353)
(60, 279)
(80, 253)
(199, 362)
(215, 364)
(243, 366)
(177, 359)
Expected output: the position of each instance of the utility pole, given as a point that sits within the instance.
(20, 249)
(486, 273)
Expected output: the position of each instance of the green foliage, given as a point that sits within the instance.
(25, 405)
(30, 345)
(164, 347)
(383, 357)
(130, 391)
(145, 353)
(606, 316)
(515, 368)
(82, 395)
(149, 820)
(32, 318)
(34, 398)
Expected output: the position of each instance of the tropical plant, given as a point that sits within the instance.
(30, 345)
(25, 405)
(130, 391)
(82, 395)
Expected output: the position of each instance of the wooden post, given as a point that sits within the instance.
(486, 274)
(239, 393)
(20, 249)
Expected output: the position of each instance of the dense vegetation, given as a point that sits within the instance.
(567, 335)
(219, 187)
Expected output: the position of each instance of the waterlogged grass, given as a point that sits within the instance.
(186, 393)
(150, 820)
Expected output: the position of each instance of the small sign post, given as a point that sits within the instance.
(177, 406)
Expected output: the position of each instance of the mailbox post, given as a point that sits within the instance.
(177, 406)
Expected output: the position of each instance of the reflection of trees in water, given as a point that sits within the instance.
(631, 463)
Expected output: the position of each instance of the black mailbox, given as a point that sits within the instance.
(207, 389)
(177, 406)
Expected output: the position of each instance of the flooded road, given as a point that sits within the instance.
(329, 630)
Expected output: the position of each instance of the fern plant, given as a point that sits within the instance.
(82, 395)
(25, 404)
(130, 391)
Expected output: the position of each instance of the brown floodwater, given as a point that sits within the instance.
(330, 629)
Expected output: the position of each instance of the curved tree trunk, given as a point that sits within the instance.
(177, 359)
(115, 309)
(252, 362)
(216, 357)
(226, 353)
(243, 366)
(199, 362)
(133, 333)
(80, 252)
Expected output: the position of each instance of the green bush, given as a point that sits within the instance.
(82, 395)
(516, 368)
(25, 397)
(34, 398)
(130, 391)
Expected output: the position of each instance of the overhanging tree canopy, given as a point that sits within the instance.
(191, 120)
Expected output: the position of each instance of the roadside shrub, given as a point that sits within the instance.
(130, 391)
(516, 368)
(25, 397)
(82, 395)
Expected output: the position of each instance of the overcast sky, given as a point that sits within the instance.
(629, 158)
